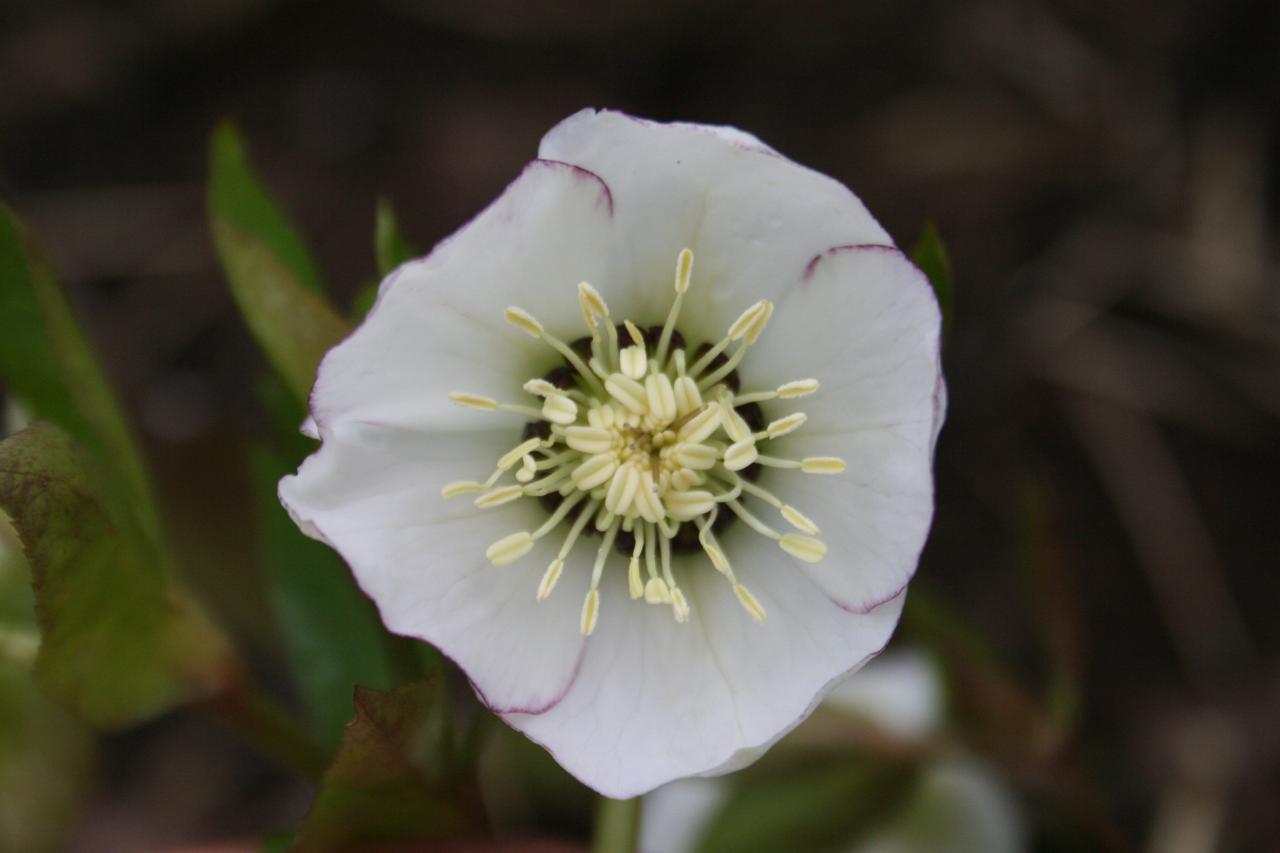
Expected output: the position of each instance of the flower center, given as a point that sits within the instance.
(648, 446)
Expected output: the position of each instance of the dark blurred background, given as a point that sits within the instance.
(1105, 175)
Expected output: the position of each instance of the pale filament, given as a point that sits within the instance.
(644, 443)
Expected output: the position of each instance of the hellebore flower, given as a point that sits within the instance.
(565, 449)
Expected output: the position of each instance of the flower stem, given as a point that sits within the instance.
(267, 728)
(617, 827)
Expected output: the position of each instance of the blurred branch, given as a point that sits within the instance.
(1169, 535)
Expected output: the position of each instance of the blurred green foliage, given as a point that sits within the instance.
(819, 803)
(391, 778)
(930, 255)
(331, 632)
(118, 642)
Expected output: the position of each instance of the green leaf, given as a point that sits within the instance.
(46, 362)
(331, 632)
(272, 278)
(293, 325)
(362, 302)
(387, 782)
(930, 255)
(237, 198)
(119, 643)
(390, 244)
(822, 804)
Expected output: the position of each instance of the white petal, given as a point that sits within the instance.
(373, 493)
(438, 324)
(752, 217)
(657, 701)
(870, 329)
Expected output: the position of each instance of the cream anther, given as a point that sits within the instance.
(499, 496)
(785, 426)
(634, 362)
(559, 409)
(473, 401)
(748, 602)
(643, 442)
(522, 319)
(822, 465)
(746, 319)
(509, 548)
(798, 388)
(803, 547)
(741, 454)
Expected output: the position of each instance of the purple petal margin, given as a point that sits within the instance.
(939, 399)
(577, 172)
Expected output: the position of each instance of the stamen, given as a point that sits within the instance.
(589, 439)
(635, 586)
(679, 606)
(566, 507)
(757, 325)
(784, 426)
(787, 391)
(688, 398)
(686, 506)
(522, 319)
(559, 409)
(591, 606)
(700, 457)
(741, 454)
(517, 453)
(749, 602)
(700, 427)
(747, 320)
(661, 397)
(684, 270)
(640, 441)
(803, 547)
(799, 520)
(712, 548)
(590, 612)
(549, 579)
(628, 392)
(822, 465)
(637, 336)
(595, 471)
(460, 487)
(498, 497)
(592, 302)
(798, 388)
(794, 517)
(651, 552)
(725, 369)
(634, 362)
(540, 387)
(623, 488)
(473, 401)
(509, 548)
(754, 523)
(548, 484)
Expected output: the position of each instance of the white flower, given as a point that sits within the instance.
(627, 631)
